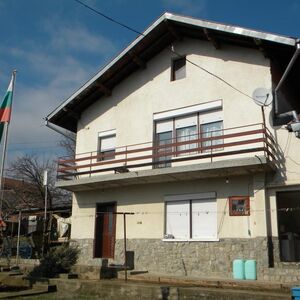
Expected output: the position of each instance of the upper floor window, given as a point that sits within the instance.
(178, 69)
(107, 145)
(194, 133)
(188, 130)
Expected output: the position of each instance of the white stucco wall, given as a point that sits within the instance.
(130, 111)
(133, 102)
(147, 202)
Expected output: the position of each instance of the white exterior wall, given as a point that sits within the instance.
(147, 202)
(130, 111)
(133, 102)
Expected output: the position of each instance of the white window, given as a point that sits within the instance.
(107, 145)
(212, 130)
(178, 219)
(185, 135)
(186, 131)
(181, 126)
(193, 218)
(163, 139)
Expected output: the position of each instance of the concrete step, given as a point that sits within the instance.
(68, 275)
(49, 287)
(25, 293)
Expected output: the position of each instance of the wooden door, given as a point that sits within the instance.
(105, 230)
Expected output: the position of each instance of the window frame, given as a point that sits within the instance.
(185, 198)
(105, 135)
(173, 71)
(201, 133)
(198, 134)
(234, 213)
(185, 136)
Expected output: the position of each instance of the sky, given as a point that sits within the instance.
(57, 45)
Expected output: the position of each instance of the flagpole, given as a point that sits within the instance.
(6, 126)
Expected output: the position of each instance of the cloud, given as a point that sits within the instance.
(295, 6)
(189, 7)
(47, 75)
(79, 39)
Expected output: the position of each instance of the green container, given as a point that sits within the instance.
(250, 269)
(239, 269)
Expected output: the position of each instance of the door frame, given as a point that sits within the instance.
(114, 204)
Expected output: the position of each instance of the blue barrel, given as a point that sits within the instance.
(239, 269)
(296, 293)
(250, 269)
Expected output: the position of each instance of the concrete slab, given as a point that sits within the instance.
(117, 289)
(223, 168)
(25, 293)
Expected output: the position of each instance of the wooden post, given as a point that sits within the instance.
(18, 239)
(125, 246)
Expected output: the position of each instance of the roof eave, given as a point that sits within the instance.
(282, 40)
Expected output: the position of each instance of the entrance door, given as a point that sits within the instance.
(105, 230)
(288, 215)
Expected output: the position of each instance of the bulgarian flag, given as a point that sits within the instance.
(5, 108)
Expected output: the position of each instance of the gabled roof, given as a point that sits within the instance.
(162, 32)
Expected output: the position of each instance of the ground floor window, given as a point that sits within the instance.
(191, 218)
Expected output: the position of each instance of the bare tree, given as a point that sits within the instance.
(30, 169)
(68, 145)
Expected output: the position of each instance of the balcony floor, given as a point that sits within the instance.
(229, 167)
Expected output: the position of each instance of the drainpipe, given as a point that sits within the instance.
(68, 134)
(283, 78)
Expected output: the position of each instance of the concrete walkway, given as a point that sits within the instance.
(115, 289)
(252, 285)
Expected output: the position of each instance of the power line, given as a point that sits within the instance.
(107, 17)
(196, 212)
(171, 50)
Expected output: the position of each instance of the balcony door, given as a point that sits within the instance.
(163, 139)
(105, 230)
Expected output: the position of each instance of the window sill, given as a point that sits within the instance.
(192, 240)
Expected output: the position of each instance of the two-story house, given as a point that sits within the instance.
(171, 132)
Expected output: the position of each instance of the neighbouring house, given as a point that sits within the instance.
(208, 174)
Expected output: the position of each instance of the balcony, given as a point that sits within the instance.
(227, 152)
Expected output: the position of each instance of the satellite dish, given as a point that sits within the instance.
(262, 96)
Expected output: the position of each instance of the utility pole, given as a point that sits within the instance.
(45, 183)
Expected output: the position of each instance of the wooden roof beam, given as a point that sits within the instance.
(211, 38)
(173, 31)
(72, 113)
(104, 89)
(259, 44)
(138, 61)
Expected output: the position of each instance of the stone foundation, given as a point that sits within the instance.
(194, 259)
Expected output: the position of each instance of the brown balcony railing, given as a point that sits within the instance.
(252, 139)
